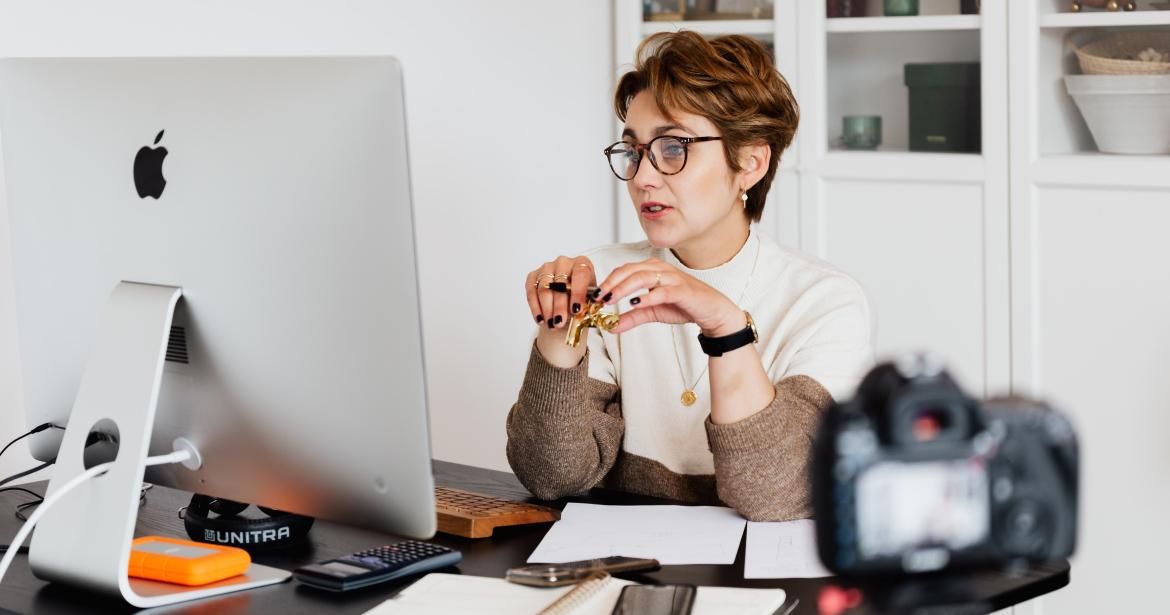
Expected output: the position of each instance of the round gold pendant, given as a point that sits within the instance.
(689, 397)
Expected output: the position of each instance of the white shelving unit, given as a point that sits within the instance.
(1035, 266)
(901, 166)
(1087, 229)
(920, 23)
(937, 271)
(864, 74)
(1041, 32)
(1095, 170)
(713, 27)
(1104, 19)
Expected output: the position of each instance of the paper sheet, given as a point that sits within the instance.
(737, 601)
(782, 550)
(670, 534)
(453, 594)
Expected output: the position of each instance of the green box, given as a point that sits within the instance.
(944, 107)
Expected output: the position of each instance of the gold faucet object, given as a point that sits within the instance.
(591, 317)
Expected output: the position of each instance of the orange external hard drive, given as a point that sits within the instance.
(185, 562)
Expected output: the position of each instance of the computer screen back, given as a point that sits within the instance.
(283, 211)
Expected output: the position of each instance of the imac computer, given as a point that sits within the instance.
(219, 250)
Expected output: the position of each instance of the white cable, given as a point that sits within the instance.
(70, 485)
(175, 457)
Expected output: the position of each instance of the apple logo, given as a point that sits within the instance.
(148, 176)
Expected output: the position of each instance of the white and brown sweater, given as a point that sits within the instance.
(615, 420)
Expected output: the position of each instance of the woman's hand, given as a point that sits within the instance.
(552, 309)
(674, 298)
(739, 385)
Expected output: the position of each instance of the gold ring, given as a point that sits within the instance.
(561, 276)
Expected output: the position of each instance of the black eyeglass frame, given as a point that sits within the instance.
(641, 148)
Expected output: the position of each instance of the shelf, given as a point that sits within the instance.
(1105, 19)
(901, 165)
(1094, 169)
(712, 27)
(916, 23)
(866, 76)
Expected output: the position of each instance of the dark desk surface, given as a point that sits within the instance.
(24, 593)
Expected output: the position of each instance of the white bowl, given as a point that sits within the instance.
(1127, 114)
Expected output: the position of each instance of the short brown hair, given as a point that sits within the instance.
(730, 80)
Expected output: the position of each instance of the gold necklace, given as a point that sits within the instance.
(689, 397)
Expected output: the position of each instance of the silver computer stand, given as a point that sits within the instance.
(85, 538)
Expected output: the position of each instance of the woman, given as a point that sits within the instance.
(647, 407)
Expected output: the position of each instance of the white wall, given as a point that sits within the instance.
(478, 75)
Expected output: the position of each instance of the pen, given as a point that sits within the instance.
(791, 608)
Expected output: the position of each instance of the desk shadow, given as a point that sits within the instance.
(58, 598)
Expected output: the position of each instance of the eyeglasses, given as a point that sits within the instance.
(668, 154)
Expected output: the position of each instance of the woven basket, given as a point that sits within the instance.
(1117, 53)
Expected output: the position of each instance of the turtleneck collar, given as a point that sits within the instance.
(730, 277)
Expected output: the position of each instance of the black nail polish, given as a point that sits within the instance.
(607, 297)
(551, 323)
(635, 301)
(593, 293)
(576, 307)
(558, 319)
(540, 318)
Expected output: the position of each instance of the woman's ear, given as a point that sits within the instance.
(753, 162)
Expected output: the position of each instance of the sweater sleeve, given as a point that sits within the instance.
(833, 342)
(565, 430)
(762, 462)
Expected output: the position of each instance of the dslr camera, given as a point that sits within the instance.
(914, 476)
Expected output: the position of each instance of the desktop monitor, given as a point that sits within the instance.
(275, 193)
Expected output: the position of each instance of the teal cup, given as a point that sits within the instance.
(862, 131)
(900, 8)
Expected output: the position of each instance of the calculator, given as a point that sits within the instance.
(377, 565)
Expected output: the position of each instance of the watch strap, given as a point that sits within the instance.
(718, 346)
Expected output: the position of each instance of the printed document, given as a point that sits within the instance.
(453, 594)
(782, 550)
(669, 534)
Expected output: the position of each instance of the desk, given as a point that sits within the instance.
(24, 593)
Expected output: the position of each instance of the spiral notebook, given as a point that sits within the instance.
(455, 594)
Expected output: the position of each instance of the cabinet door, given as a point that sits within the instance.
(1093, 335)
(926, 233)
(919, 249)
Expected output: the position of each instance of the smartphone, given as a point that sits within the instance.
(553, 575)
(655, 600)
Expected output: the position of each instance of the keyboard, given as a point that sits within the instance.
(472, 515)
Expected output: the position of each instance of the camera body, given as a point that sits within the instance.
(914, 476)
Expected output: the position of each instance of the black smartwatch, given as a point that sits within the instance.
(717, 346)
